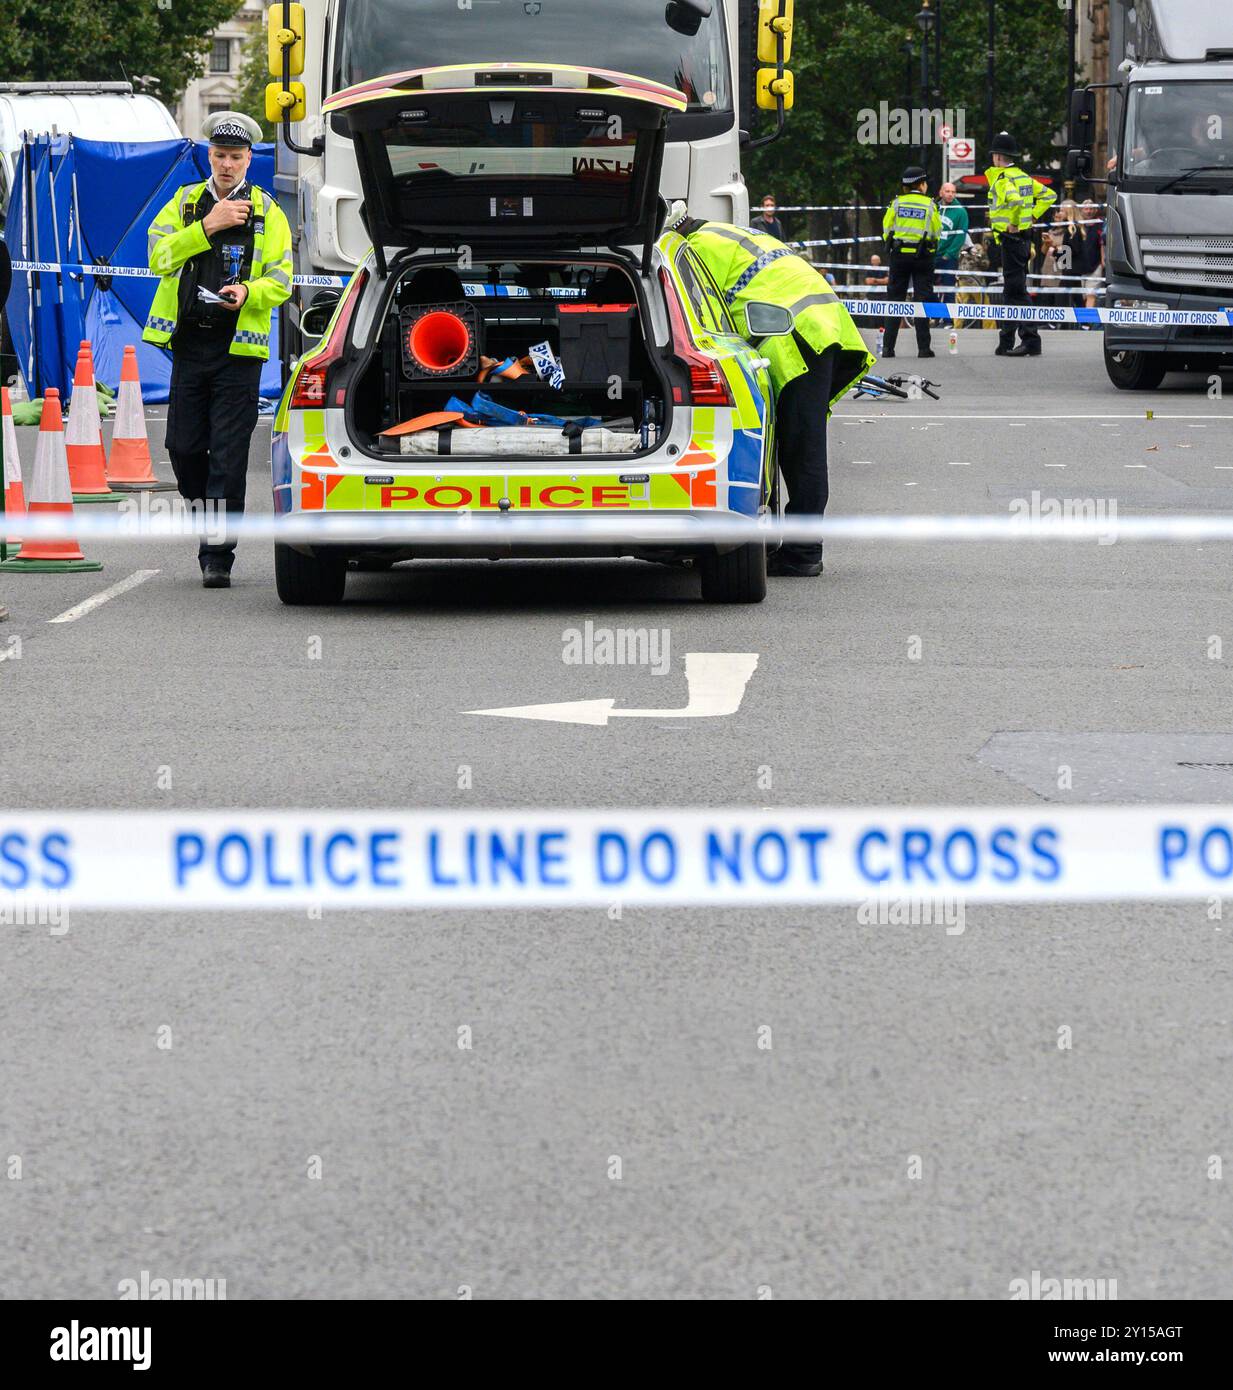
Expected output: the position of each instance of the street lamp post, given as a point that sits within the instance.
(926, 22)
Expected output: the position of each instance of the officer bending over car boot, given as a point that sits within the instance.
(811, 367)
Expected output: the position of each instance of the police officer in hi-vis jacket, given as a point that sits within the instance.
(223, 250)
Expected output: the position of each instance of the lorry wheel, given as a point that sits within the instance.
(309, 580)
(1135, 371)
(736, 576)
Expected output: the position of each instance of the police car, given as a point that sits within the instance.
(522, 343)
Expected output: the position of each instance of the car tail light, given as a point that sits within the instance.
(308, 392)
(707, 383)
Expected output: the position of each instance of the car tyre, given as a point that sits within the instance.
(309, 580)
(1136, 371)
(736, 576)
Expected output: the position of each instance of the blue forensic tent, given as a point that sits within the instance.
(91, 202)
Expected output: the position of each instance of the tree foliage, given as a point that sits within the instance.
(848, 57)
(110, 40)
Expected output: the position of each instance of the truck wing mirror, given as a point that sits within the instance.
(1082, 118)
(686, 16)
(1078, 164)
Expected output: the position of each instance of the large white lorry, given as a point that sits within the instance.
(1169, 240)
(727, 56)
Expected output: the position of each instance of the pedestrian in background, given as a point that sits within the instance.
(954, 237)
(1093, 267)
(911, 229)
(767, 222)
(223, 251)
(878, 274)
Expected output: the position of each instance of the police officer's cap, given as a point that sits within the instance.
(914, 175)
(232, 129)
(1005, 143)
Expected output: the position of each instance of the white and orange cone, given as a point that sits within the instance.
(131, 469)
(14, 494)
(50, 495)
(83, 437)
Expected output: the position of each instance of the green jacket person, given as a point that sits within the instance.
(223, 250)
(811, 368)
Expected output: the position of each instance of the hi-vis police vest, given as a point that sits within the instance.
(912, 221)
(753, 267)
(176, 237)
(1016, 200)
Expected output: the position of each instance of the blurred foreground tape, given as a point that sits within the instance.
(534, 858)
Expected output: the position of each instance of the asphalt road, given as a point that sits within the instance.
(741, 1168)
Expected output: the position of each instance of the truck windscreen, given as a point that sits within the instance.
(1179, 132)
(377, 37)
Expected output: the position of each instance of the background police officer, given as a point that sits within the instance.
(223, 249)
(911, 229)
(811, 367)
(1016, 202)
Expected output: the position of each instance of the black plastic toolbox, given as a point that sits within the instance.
(596, 340)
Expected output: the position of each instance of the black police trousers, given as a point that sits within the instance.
(915, 270)
(1016, 250)
(804, 404)
(211, 416)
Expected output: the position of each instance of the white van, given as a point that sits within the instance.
(91, 110)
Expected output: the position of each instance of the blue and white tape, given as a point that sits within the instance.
(190, 860)
(546, 365)
(1036, 313)
(133, 272)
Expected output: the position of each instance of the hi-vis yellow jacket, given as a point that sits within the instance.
(751, 266)
(1016, 200)
(173, 241)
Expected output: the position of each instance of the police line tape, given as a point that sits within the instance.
(535, 858)
(1037, 313)
(1075, 281)
(463, 513)
(133, 272)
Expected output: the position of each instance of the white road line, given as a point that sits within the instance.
(1134, 465)
(97, 601)
(1055, 465)
(1223, 467)
(956, 464)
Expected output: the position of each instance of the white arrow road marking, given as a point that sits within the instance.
(716, 680)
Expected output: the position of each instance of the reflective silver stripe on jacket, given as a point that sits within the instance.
(731, 234)
(157, 232)
(280, 277)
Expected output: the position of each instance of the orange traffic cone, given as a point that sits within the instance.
(131, 469)
(83, 438)
(50, 495)
(14, 494)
